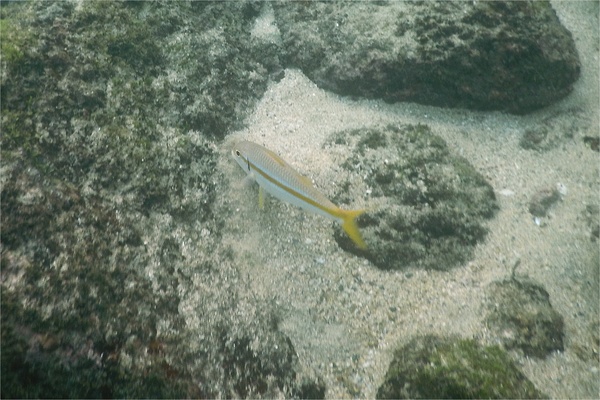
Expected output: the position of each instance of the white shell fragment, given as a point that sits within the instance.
(562, 189)
(506, 192)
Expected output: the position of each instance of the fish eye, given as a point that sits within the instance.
(237, 153)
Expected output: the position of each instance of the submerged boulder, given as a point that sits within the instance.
(434, 368)
(427, 207)
(109, 217)
(522, 317)
(500, 55)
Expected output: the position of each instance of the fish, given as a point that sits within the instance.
(281, 180)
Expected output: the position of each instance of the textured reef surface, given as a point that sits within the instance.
(115, 279)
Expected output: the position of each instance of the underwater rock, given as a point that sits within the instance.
(555, 130)
(521, 315)
(91, 300)
(592, 142)
(427, 207)
(587, 346)
(263, 368)
(542, 200)
(129, 66)
(75, 295)
(501, 55)
(108, 195)
(433, 368)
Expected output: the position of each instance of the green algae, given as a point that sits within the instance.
(432, 367)
(14, 40)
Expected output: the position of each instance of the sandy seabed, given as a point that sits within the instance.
(344, 316)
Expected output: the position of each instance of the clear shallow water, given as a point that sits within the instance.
(137, 248)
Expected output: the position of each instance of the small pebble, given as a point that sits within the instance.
(562, 188)
(542, 201)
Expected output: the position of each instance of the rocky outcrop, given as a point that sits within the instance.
(430, 206)
(433, 367)
(513, 56)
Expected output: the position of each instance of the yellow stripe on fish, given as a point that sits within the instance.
(279, 179)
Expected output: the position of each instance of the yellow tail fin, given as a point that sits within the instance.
(349, 225)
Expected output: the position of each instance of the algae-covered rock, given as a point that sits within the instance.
(501, 55)
(108, 213)
(522, 317)
(434, 368)
(426, 206)
(142, 66)
(76, 295)
(92, 303)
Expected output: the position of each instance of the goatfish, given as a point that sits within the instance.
(280, 180)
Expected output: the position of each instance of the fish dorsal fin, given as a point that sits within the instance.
(306, 180)
(273, 156)
(276, 158)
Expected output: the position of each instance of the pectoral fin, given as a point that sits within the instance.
(261, 198)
